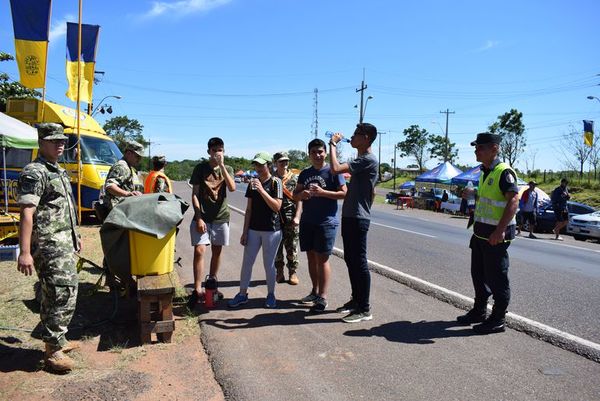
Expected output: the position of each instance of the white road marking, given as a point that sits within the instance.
(402, 229)
(551, 242)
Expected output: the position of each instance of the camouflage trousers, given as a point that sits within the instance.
(58, 282)
(290, 241)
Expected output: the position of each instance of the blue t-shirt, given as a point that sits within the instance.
(359, 198)
(319, 210)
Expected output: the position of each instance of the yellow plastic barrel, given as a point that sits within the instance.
(149, 255)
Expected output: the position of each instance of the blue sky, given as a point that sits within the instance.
(245, 70)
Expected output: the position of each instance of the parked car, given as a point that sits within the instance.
(585, 226)
(545, 221)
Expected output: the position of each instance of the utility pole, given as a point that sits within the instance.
(395, 147)
(315, 123)
(379, 157)
(361, 90)
(150, 154)
(447, 112)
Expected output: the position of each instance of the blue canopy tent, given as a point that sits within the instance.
(441, 174)
(407, 185)
(469, 175)
(473, 176)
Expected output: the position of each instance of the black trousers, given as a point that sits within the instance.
(489, 271)
(354, 234)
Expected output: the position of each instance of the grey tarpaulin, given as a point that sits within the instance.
(152, 214)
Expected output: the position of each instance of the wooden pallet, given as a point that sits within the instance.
(155, 307)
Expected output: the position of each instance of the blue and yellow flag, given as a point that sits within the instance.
(31, 23)
(588, 133)
(89, 42)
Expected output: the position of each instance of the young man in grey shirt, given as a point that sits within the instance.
(356, 215)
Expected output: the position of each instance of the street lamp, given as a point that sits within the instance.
(593, 97)
(364, 110)
(105, 108)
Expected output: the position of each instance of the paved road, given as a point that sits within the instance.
(410, 350)
(555, 283)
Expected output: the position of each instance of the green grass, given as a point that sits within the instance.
(399, 181)
(583, 192)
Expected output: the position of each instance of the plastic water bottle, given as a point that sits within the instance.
(329, 134)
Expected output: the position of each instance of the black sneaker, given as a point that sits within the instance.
(319, 306)
(472, 316)
(490, 326)
(310, 298)
(348, 307)
(192, 300)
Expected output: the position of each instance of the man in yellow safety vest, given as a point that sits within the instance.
(494, 229)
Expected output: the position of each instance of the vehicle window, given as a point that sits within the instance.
(16, 158)
(94, 151)
(577, 209)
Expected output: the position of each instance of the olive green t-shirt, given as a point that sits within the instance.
(212, 193)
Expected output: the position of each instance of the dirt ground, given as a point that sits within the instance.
(111, 365)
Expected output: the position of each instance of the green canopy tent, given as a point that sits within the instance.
(17, 135)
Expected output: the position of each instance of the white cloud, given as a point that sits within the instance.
(58, 29)
(490, 44)
(182, 7)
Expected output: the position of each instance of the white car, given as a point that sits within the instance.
(585, 226)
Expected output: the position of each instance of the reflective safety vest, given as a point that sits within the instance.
(491, 203)
(150, 182)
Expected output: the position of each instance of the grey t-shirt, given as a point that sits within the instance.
(359, 197)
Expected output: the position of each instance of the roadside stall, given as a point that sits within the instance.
(431, 184)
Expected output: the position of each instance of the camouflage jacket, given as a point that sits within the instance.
(46, 186)
(123, 176)
(288, 206)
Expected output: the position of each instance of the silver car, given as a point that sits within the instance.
(585, 226)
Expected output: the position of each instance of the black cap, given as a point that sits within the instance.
(486, 137)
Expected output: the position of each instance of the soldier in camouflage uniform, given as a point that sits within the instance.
(122, 180)
(48, 240)
(290, 218)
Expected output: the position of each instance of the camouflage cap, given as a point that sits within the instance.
(280, 156)
(50, 131)
(135, 147)
(159, 159)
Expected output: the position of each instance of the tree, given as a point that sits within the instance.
(12, 89)
(530, 161)
(438, 148)
(510, 127)
(298, 158)
(415, 145)
(575, 153)
(123, 128)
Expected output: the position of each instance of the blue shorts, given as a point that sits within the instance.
(318, 238)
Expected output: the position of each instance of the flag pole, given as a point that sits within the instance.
(46, 65)
(79, 166)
